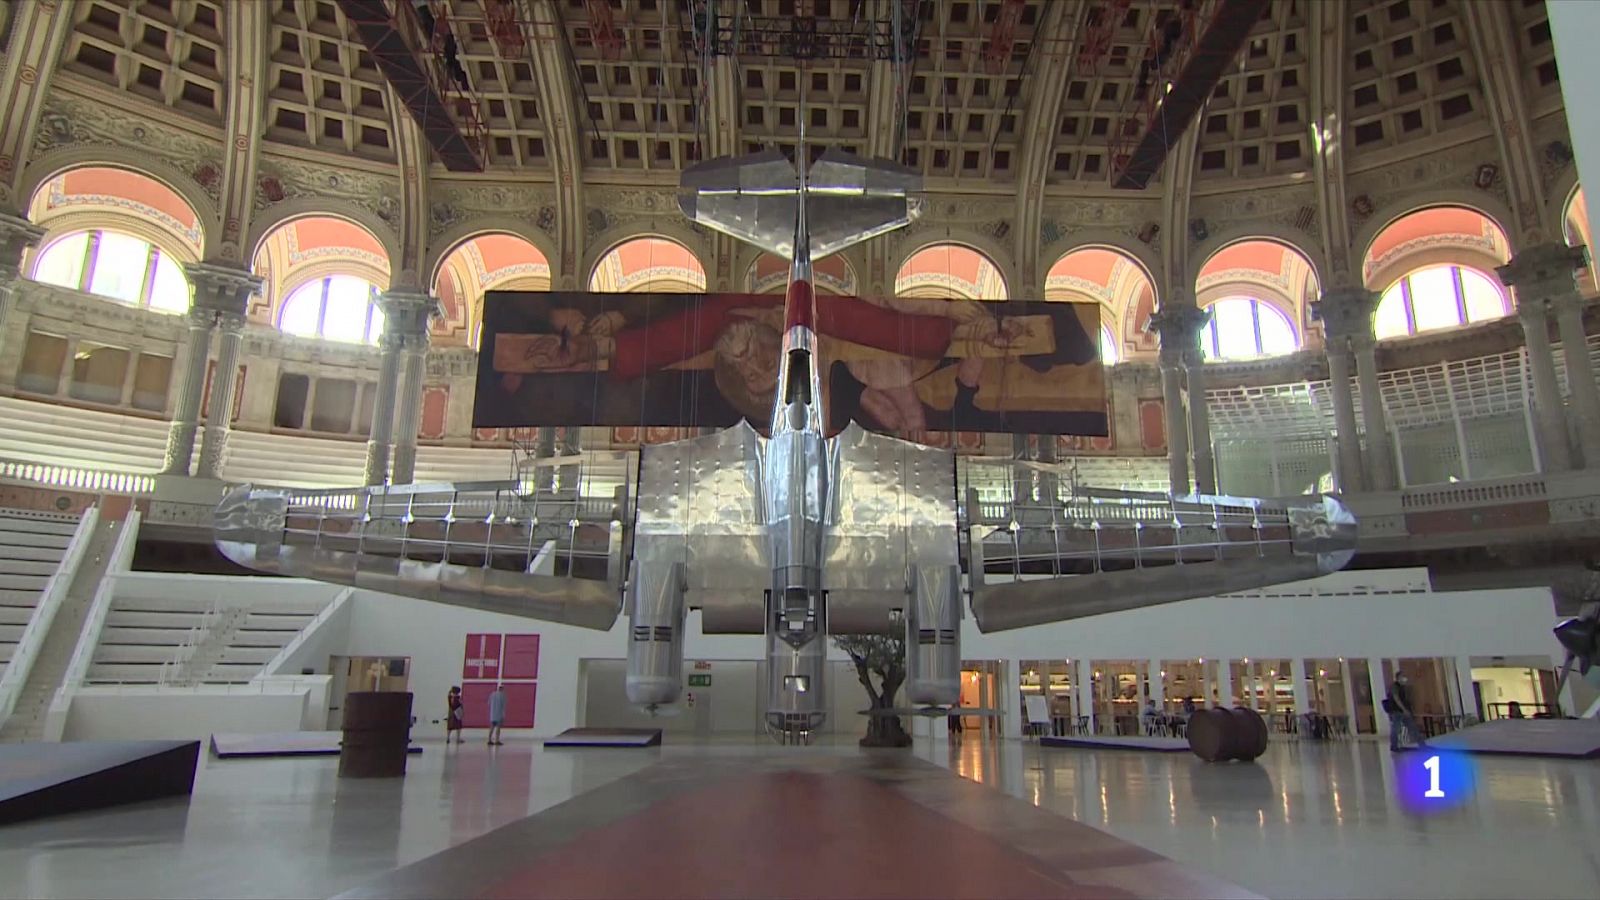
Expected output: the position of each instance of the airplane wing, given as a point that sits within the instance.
(700, 505)
(1026, 560)
(893, 512)
(501, 546)
(753, 198)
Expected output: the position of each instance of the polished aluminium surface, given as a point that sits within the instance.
(1071, 552)
(933, 636)
(656, 613)
(508, 547)
(755, 198)
(701, 504)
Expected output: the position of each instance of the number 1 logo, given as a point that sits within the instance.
(1432, 765)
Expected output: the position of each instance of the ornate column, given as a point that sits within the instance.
(1178, 326)
(1531, 273)
(225, 291)
(408, 409)
(1346, 314)
(16, 236)
(1380, 460)
(1347, 436)
(1547, 279)
(400, 338)
(186, 413)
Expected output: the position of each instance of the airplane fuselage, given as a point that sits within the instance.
(796, 488)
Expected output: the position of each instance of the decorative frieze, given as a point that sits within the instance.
(70, 122)
(457, 202)
(280, 178)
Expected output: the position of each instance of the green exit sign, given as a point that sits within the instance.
(699, 681)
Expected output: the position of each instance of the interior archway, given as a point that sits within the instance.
(1576, 227)
(489, 262)
(1435, 268)
(769, 274)
(1120, 286)
(649, 265)
(950, 271)
(322, 275)
(1254, 285)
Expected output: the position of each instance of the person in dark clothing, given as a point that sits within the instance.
(452, 724)
(1401, 713)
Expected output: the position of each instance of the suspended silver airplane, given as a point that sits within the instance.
(796, 535)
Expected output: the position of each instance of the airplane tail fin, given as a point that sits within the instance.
(848, 199)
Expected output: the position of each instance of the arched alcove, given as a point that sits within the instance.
(648, 265)
(488, 262)
(1435, 269)
(950, 271)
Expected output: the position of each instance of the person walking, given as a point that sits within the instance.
(497, 714)
(1401, 714)
(452, 722)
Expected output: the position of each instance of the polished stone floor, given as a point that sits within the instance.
(1316, 820)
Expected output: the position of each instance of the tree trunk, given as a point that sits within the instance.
(885, 731)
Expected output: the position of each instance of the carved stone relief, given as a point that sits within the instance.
(281, 178)
(69, 121)
(456, 203)
(1456, 167)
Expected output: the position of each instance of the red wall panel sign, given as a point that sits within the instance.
(521, 697)
(519, 657)
(483, 657)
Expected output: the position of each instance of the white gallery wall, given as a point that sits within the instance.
(1368, 614)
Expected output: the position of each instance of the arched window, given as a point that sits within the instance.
(116, 266)
(337, 307)
(1246, 328)
(1437, 297)
(1108, 348)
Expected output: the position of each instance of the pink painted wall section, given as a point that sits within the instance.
(435, 403)
(1153, 424)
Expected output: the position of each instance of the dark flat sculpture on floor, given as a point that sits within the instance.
(280, 743)
(38, 780)
(723, 824)
(1558, 738)
(606, 737)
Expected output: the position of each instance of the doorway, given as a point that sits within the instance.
(364, 673)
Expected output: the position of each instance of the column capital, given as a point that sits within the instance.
(1178, 325)
(16, 236)
(231, 322)
(1346, 312)
(408, 315)
(223, 288)
(1543, 271)
(201, 317)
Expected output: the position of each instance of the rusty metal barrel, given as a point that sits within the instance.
(377, 734)
(1218, 735)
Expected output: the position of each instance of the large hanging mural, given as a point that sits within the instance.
(707, 360)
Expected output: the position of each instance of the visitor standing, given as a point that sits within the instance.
(452, 722)
(1401, 713)
(497, 714)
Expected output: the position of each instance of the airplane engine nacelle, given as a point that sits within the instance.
(655, 646)
(933, 637)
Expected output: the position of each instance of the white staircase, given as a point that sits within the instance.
(31, 547)
(27, 719)
(174, 640)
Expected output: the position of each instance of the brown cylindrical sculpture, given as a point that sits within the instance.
(1252, 731)
(1218, 735)
(377, 734)
(1212, 734)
